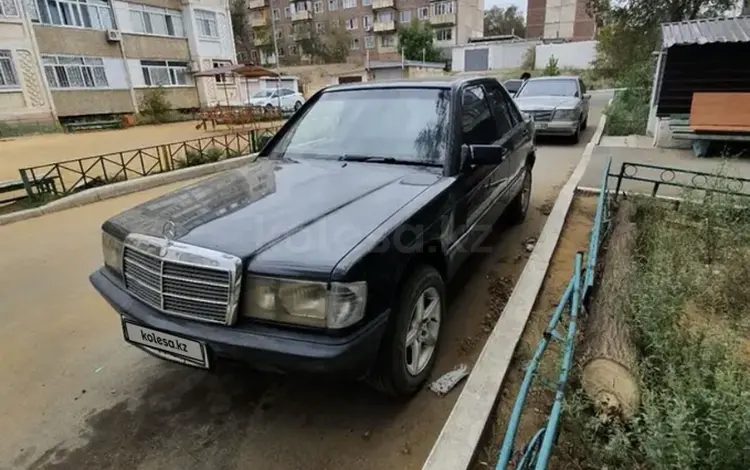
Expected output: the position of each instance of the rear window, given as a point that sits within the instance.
(409, 124)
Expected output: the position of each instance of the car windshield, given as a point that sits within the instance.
(397, 124)
(548, 87)
(512, 85)
(263, 94)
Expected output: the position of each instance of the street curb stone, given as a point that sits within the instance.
(110, 191)
(457, 442)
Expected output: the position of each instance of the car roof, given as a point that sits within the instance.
(555, 77)
(444, 82)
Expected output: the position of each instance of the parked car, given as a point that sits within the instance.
(513, 85)
(330, 254)
(285, 98)
(559, 105)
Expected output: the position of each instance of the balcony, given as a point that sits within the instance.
(301, 36)
(261, 40)
(303, 15)
(445, 18)
(384, 26)
(258, 21)
(255, 4)
(381, 4)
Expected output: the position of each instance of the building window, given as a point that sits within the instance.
(369, 42)
(227, 78)
(83, 14)
(318, 7)
(276, 15)
(333, 5)
(388, 41)
(156, 21)
(367, 22)
(287, 12)
(8, 8)
(8, 76)
(162, 73)
(207, 26)
(74, 72)
(404, 16)
(281, 52)
(319, 27)
(442, 8)
(366, 3)
(354, 45)
(279, 33)
(351, 24)
(423, 13)
(350, 3)
(444, 34)
(385, 16)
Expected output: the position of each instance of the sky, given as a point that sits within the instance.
(521, 4)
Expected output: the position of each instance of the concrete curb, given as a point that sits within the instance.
(456, 445)
(110, 191)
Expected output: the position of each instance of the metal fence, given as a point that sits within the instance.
(67, 177)
(562, 328)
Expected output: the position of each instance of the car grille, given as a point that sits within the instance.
(179, 289)
(542, 115)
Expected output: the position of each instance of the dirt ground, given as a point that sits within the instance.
(28, 151)
(574, 238)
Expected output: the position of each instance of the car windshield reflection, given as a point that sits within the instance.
(549, 87)
(387, 124)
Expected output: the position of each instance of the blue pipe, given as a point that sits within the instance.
(597, 228)
(506, 452)
(551, 432)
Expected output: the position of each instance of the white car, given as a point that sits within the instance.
(273, 97)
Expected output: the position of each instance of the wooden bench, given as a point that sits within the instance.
(91, 125)
(44, 186)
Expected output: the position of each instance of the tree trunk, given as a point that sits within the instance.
(609, 360)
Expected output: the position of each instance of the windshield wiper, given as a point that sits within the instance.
(390, 160)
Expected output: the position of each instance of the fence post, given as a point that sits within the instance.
(26, 183)
(165, 156)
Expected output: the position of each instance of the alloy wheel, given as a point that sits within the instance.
(422, 335)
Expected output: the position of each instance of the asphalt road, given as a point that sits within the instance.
(74, 396)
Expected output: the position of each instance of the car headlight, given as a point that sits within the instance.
(112, 252)
(305, 303)
(565, 115)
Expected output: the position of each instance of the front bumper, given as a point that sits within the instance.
(556, 127)
(263, 347)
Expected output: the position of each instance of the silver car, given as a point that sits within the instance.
(559, 105)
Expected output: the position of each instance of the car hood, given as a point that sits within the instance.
(310, 212)
(539, 103)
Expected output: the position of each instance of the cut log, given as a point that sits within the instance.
(608, 373)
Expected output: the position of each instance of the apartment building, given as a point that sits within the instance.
(559, 19)
(102, 57)
(372, 24)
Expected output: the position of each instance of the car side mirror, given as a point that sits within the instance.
(487, 154)
(587, 96)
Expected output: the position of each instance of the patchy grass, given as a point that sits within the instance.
(688, 312)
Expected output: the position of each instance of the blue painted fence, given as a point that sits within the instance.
(535, 453)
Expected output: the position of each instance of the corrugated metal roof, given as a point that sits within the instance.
(706, 31)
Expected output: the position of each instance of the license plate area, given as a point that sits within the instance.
(166, 345)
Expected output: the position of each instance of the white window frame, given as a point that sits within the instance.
(352, 23)
(75, 13)
(293, 49)
(366, 3)
(354, 44)
(384, 16)
(404, 16)
(287, 12)
(367, 22)
(174, 71)
(8, 75)
(318, 7)
(319, 27)
(391, 40)
(207, 24)
(9, 9)
(333, 5)
(369, 42)
(62, 70)
(446, 33)
(143, 18)
(349, 4)
(226, 79)
(276, 14)
(443, 8)
(423, 13)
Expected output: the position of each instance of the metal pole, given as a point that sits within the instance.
(276, 53)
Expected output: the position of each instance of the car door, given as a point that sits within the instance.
(288, 97)
(514, 138)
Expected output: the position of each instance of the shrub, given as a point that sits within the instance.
(154, 107)
(551, 68)
(529, 59)
(199, 157)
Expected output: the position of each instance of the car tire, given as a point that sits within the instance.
(397, 372)
(519, 206)
(585, 123)
(575, 138)
(297, 105)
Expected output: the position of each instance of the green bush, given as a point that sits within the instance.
(200, 157)
(551, 69)
(155, 108)
(529, 59)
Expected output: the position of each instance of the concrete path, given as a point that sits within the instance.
(74, 396)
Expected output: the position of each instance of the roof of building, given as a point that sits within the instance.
(498, 38)
(383, 64)
(715, 30)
